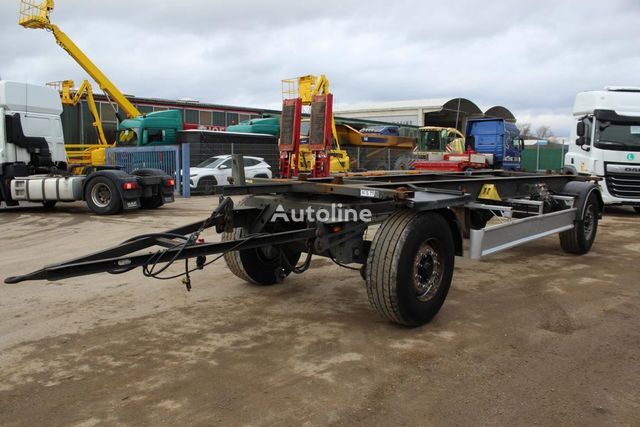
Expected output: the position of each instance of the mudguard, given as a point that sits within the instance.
(582, 190)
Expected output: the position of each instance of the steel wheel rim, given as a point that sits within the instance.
(428, 270)
(589, 223)
(101, 195)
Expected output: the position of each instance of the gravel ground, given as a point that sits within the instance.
(531, 335)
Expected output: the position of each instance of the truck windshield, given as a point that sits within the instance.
(127, 137)
(618, 136)
(433, 140)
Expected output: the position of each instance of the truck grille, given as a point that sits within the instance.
(623, 185)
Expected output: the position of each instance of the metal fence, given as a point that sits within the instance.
(371, 158)
(361, 158)
(544, 157)
(168, 158)
(268, 151)
(535, 158)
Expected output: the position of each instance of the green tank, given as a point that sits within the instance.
(266, 125)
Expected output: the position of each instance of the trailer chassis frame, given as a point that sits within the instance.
(530, 206)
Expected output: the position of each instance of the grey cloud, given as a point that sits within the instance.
(531, 56)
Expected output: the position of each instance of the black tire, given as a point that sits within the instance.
(262, 175)
(637, 209)
(402, 163)
(206, 184)
(102, 196)
(403, 250)
(153, 202)
(580, 238)
(49, 204)
(261, 266)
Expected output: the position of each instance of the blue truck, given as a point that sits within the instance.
(497, 138)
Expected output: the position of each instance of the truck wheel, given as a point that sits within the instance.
(402, 163)
(580, 238)
(206, 184)
(637, 209)
(151, 202)
(261, 266)
(102, 196)
(410, 267)
(49, 204)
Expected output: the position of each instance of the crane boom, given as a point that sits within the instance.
(33, 15)
(71, 96)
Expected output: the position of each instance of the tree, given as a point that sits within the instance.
(544, 132)
(525, 130)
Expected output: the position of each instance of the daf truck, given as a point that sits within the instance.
(33, 161)
(605, 142)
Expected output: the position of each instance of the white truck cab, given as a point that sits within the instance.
(33, 160)
(605, 142)
(39, 110)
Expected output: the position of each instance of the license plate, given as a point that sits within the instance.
(368, 193)
(132, 204)
(168, 199)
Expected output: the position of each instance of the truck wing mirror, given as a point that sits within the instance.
(581, 141)
(580, 130)
(13, 127)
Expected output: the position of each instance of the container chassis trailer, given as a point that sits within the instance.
(419, 220)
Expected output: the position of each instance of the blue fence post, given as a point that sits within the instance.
(175, 165)
(186, 160)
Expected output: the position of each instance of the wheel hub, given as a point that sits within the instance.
(427, 271)
(101, 195)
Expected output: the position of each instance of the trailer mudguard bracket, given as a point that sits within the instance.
(499, 237)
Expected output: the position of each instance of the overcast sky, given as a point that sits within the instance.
(530, 56)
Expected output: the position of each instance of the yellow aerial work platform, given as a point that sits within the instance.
(34, 14)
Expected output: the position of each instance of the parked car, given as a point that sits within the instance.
(215, 171)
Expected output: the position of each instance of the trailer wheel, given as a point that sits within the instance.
(102, 196)
(261, 266)
(410, 267)
(580, 238)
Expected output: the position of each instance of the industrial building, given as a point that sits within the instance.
(446, 112)
(78, 122)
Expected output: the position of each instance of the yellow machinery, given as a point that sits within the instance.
(306, 87)
(35, 15)
(437, 139)
(83, 154)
